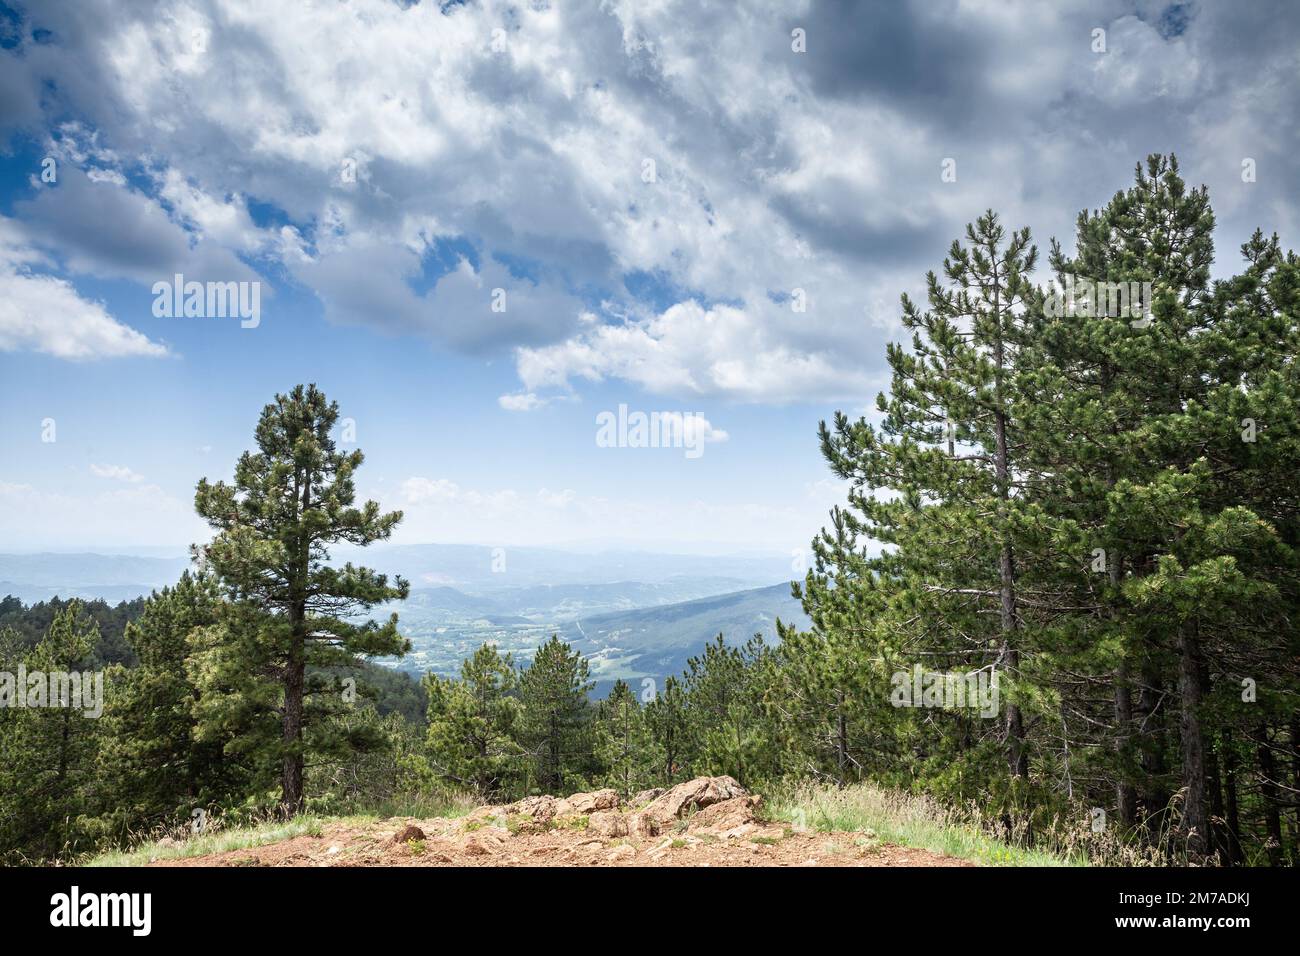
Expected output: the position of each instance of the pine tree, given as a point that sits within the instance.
(723, 709)
(472, 723)
(156, 769)
(48, 748)
(669, 730)
(1122, 459)
(938, 484)
(289, 502)
(554, 722)
(623, 747)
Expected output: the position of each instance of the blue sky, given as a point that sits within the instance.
(380, 168)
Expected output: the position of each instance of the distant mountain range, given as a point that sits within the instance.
(634, 614)
(656, 642)
(473, 569)
(113, 577)
(476, 568)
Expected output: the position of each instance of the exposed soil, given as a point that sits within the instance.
(710, 821)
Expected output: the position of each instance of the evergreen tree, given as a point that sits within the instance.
(623, 747)
(554, 722)
(938, 484)
(472, 722)
(723, 709)
(289, 502)
(669, 732)
(155, 767)
(48, 747)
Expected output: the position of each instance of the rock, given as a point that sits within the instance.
(693, 795)
(729, 819)
(584, 803)
(641, 825)
(541, 809)
(484, 842)
(407, 834)
(607, 824)
(646, 796)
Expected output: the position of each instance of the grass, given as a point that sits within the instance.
(424, 807)
(908, 820)
(219, 838)
(221, 841)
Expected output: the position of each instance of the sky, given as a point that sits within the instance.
(479, 226)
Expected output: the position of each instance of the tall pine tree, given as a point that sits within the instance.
(289, 502)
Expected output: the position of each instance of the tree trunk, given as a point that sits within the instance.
(292, 797)
(1017, 757)
(1230, 768)
(1195, 819)
(1125, 793)
(841, 736)
(1272, 797)
(1295, 783)
(1155, 796)
(1217, 810)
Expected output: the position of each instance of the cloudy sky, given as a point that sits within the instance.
(647, 182)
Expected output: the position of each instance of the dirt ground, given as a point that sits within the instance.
(706, 822)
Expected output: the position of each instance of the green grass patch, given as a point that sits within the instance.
(221, 841)
(907, 820)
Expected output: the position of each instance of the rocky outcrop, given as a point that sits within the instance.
(645, 796)
(739, 817)
(541, 809)
(650, 812)
(709, 821)
(587, 803)
(693, 795)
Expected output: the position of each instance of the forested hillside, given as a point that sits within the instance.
(1077, 497)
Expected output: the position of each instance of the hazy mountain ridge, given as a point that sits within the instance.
(656, 642)
(629, 627)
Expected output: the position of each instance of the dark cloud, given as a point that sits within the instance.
(107, 230)
(921, 56)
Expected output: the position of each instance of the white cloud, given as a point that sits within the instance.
(442, 491)
(418, 490)
(690, 350)
(520, 402)
(42, 313)
(556, 499)
(116, 472)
